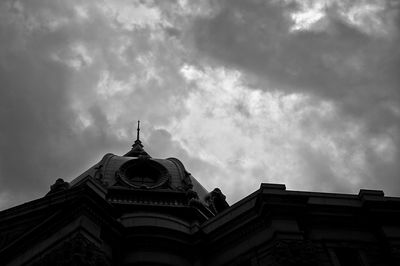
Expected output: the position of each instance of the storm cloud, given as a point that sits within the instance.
(304, 93)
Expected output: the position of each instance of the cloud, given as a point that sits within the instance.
(75, 77)
(345, 53)
(345, 59)
(298, 92)
(257, 37)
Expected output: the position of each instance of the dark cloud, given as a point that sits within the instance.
(351, 65)
(44, 76)
(33, 113)
(76, 76)
(256, 37)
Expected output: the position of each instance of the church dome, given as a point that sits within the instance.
(136, 180)
(143, 173)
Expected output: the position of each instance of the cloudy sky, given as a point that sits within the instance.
(305, 93)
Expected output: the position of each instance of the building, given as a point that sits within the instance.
(138, 210)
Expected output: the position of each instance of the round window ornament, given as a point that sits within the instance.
(144, 174)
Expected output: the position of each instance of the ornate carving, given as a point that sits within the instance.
(97, 174)
(295, 253)
(143, 173)
(216, 201)
(76, 251)
(187, 181)
(59, 185)
(191, 194)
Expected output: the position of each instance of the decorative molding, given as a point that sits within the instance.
(216, 201)
(77, 250)
(295, 253)
(146, 201)
(125, 177)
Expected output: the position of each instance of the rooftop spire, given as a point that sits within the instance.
(137, 148)
(138, 130)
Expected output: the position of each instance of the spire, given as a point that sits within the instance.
(138, 130)
(137, 148)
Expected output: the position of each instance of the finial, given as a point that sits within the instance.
(137, 147)
(138, 129)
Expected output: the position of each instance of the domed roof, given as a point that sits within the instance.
(135, 180)
(143, 173)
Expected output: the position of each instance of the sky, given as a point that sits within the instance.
(304, 93)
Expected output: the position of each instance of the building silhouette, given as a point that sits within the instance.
(138, 210)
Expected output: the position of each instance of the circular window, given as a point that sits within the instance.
(143, 174)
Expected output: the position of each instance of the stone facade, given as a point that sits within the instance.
(137, 210)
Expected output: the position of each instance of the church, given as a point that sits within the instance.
(138, 210)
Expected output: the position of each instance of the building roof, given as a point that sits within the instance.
(110, 169)
(136, 179)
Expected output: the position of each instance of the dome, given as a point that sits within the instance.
(138, 181)
(143, 173)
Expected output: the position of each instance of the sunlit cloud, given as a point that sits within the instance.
(304, 93)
